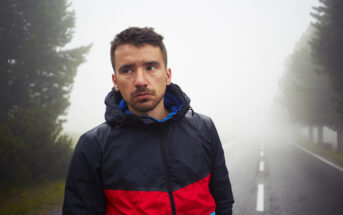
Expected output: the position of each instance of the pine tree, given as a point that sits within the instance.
(37, 75)
(327, 49)
(307, 93)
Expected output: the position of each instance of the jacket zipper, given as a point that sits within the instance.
(166, 168)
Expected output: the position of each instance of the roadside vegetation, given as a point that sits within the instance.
(36, 199)
(326, 152)
(37, 76)
(74, 138)
(312, 83)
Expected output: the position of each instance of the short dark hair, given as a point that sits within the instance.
(138, 37)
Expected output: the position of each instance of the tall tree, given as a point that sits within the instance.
(307, 93)
(37, 74)
(34, 65)
(327, 47)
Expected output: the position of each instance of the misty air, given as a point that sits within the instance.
(171, 107)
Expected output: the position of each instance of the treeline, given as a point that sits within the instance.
(37, 75)
(312, 84)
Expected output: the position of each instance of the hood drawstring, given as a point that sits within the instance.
(191, 109)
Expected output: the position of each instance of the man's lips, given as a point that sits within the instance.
(141, 95)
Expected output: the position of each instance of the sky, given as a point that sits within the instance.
(226, 55)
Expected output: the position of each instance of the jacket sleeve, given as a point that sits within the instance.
(220, 186)
(84, 192)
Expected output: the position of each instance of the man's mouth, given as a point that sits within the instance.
(142, 92)
(141, 95)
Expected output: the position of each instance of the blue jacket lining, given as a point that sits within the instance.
(171, 102)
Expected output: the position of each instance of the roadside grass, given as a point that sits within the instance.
(33, 199)
(332, 155)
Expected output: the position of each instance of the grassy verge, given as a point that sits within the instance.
(329, 154)
(33, 200)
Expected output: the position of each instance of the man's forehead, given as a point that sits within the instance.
(132, 49)
(128, 53)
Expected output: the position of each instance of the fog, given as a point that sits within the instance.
(270, 82)
(226, 55)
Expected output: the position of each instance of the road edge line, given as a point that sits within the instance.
(319, 157)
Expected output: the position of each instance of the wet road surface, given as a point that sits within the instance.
(273, 176)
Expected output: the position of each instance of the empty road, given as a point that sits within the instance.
(273, 176)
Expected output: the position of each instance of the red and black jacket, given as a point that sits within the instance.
(139, 165)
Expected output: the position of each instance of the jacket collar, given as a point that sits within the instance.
(176, 101)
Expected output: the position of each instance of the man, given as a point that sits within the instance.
(153, 155)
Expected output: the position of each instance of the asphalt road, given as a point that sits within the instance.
(289, 181)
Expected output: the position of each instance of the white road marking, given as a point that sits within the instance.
(260, 197)
(261, 166)
(261, 153)
(320, 158)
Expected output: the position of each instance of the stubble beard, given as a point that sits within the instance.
(141, 105)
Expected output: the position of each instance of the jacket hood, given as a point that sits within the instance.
(175, 100)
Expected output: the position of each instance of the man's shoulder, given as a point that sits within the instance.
(199, 120)
(96, 131)
(94, 135)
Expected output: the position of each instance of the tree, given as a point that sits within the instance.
(327, 49)
(307, 93)
(34, 65)
(37, 75)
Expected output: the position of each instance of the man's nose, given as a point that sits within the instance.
(141, 78)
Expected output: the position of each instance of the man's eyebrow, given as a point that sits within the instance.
(151, 63)
(126, 66)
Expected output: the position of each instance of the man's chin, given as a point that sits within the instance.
(143, 107)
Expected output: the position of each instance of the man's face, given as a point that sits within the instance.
(141, 77)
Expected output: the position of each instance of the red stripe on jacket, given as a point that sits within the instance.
(195, 198)
(192, 199)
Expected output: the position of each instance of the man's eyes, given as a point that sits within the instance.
(149, 68)
(125, 71)
(131, 70)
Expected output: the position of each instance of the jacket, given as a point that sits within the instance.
(140, 165)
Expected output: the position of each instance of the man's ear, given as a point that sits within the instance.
(169, 75)
(115, 82)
